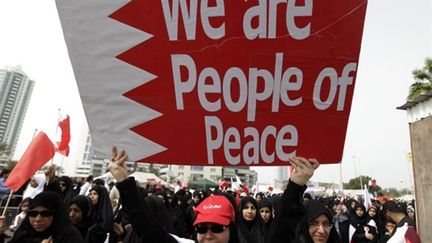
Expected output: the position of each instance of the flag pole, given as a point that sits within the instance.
(55, 134)
(7, 203)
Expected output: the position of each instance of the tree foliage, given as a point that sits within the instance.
(423, 80)
(354, 184)
(357, 182)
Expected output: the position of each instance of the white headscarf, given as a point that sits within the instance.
(30, 191)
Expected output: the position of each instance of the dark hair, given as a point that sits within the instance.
(84, 204)
(99, 182)
(25, 200)
(243, 203)
(391, 206)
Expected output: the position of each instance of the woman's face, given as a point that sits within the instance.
(211, 237)
(265, 214)
(319, 229)
(75, 214)
(410, 213)
(94, 197)
(62, 186)
(372, 212)
(40, 218)
(359, 212)
(389, 227)
(33, 182)
(249, 211)
(25, 207)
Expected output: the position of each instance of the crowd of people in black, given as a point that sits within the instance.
(55, 210)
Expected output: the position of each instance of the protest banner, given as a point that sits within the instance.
(216, 82)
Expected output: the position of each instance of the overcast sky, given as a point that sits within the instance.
(397, 38)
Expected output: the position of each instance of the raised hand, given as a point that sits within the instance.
(50, 173)
(303, 169)
(117, 165)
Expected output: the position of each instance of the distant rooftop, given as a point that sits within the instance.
(416, 101)
(419, 108)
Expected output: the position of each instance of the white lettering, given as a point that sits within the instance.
(189, 16)
(204, 88)
(229, 145)
(343, 82)
(232, 141)
(336, 83)
(180, 87)
(259, 12)
(294, 11)
(206, 13)
(212, 144)
(172, 17)
(263, 17)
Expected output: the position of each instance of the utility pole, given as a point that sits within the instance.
(360, 176)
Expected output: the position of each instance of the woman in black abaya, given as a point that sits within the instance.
(47, 221)
(102, 215)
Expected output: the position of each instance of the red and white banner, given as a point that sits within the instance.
(216, 82)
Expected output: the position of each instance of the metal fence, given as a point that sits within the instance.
(11, 210)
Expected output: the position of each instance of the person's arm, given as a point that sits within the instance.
(84, 188)
(51, 184)
(143, 222)
(291, 206)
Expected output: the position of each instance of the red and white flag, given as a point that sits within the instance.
(243, 187)
(40, 151)
(234, 185)
(366, 197)
(63, 145)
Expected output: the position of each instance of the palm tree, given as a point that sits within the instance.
(423, 80)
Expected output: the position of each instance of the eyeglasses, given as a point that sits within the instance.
(202, 229)
(34, 213)
(62, 184)
(324, 225)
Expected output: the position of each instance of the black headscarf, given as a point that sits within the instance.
(84, 204)
(355, 220)
(314, 209)
(102, 217)
(102, 211)
(266, 203)
(160, 212)
(179, 216)
(250, 231)
(60, 227)
(68, 193)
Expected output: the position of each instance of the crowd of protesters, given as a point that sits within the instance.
(58, 209)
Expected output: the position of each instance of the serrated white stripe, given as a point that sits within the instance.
(94, 40)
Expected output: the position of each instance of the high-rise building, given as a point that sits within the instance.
(15, 92)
